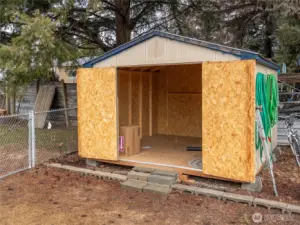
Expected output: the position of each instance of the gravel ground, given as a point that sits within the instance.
(49, 196)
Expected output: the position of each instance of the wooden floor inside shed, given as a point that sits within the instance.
(168, 150)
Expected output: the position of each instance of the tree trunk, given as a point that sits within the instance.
(269, 32)
(123, 27)
(13, 102)
(7, 99)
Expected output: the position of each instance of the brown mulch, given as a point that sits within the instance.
(49, 196)
(287, 175)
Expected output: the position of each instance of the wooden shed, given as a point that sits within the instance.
(180, 92)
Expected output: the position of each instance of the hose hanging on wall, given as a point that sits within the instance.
(266, 98)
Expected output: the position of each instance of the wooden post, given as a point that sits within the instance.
(130, 99)
(141, 105)
(150, 104)
(64, 92)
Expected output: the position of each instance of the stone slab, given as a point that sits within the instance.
(293, 209)
(270, 204)
(209, 192)
(184, 188)
(143, 169)
(238, 198)
(157, 189)
(164, 180)
(133, 184)
(165, 173)
(133, 175)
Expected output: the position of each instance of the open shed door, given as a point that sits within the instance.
(97, 113)
(228, 115)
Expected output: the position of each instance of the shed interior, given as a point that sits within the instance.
(166, 103)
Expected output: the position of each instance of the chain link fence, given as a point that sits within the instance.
(289, 104)
(55, 133)
(30, 139)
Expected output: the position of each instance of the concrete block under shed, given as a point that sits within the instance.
(91, 162)
(253, 187)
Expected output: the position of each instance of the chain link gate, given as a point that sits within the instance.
(15, 144)
(27, 140)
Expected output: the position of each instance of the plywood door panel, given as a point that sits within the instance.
(228, 114)
(97, 113)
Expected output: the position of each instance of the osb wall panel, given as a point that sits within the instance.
(184, 114)
(123, 95)
(185, 78)
(97, 113)
(135, 77)
(145, 96)
(228, 98)
(162, 103)
(178, 100)
(155, 103)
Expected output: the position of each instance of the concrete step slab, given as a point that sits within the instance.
(293, 209)
(165, 173)
(184, 188)
(134, 185)
(143, 169)
(238, 198)
(163, 180)
(270, 204)
(209, 192)
(156, 188)
(133, 175)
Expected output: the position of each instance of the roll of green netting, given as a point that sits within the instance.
(267, 98)
(274, 99)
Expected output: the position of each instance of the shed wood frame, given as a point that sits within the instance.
(188, 101)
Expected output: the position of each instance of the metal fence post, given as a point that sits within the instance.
(33, 150)
(29, 141)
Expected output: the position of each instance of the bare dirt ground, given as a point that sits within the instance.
(50, 196)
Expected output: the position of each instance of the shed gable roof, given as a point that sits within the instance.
(243, 54)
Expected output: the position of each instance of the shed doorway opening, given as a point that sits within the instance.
(160, 115)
